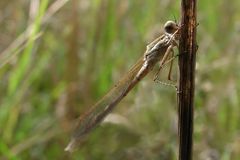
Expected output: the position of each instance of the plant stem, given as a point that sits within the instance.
(187, 60)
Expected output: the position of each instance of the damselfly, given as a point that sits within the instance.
(158, 51)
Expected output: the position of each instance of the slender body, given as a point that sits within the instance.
(158, 50)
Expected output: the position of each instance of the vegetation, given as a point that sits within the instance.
(59, 57)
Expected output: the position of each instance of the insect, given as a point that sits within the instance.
(157, 51)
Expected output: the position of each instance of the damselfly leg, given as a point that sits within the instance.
(171, 65)
(170, 60)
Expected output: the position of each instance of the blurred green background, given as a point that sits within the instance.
(58, 57)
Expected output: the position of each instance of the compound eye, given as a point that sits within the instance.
(170, 27)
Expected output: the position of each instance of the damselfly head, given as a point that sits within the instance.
(171, 27)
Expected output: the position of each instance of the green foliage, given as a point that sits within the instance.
(39, 101)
